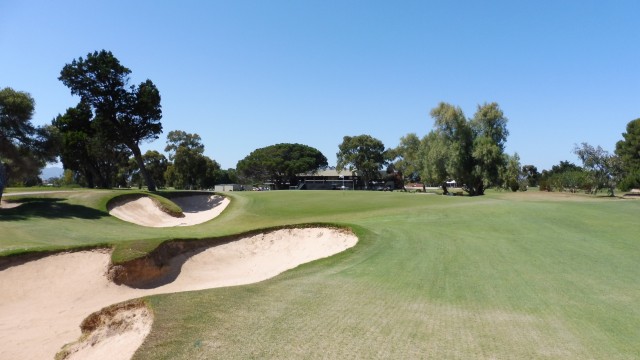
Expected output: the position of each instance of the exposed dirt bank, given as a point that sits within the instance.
(119, 329)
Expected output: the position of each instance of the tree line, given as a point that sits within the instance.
(98, 142)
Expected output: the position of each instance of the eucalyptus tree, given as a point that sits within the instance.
(468, 151)
(364, 154)
(513, 177)
(156, 164)
(178, 138)
(191, 168)
(407, 156)
(490, 136)
(603, 167)
(449, 147)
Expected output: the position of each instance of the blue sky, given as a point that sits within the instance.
(248, 74)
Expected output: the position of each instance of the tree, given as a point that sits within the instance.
(434, 152)
(565, 175)
(449, 146)
(126, 114)
(364, 154)
(408, 156)
(394, 179)
(468, 151)
(179, 138)
(490, 135)
(603, 167)
(186, 151)
(191, 168)
(532, 174)
(281, 163)
(96, 158)
(24, 148)
(209, 172)
(229, 176)
(628, 151)
(512, 175)
(156, 165)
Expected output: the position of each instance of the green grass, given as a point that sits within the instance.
(503, 276)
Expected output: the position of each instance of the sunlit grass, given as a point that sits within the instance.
(506, 276)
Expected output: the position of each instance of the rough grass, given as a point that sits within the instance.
(503, 276)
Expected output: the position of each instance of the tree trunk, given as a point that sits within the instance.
(151, 185)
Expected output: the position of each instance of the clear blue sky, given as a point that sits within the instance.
(248, 74)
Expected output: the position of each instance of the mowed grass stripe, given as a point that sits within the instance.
(447, 278)
(507, 276)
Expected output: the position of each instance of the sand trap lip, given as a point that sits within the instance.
(197, 209)
(9, 205)
(122, 326)
(44, 301)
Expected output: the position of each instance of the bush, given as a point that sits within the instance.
(630, 181)
(572, 181)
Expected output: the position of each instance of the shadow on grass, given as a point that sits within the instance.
(49, 208)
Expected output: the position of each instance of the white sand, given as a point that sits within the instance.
(8, 205)
(196, 208)
(122, 332)
(43, 302)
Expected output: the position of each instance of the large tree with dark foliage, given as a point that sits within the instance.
(532, 174)
(364, 154)
(281, 163)
(95, 157)
(125, 114)
(24, 148)
(628, 150)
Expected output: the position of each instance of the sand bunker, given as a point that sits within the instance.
(8, 204)
(44, 301)
(196, 208)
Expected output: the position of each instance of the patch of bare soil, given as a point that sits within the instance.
(537, 195)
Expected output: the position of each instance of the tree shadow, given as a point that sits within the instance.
(49, 208)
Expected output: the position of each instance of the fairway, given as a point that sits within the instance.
(503, 276)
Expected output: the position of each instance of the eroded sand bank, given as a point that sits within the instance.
(44, 301)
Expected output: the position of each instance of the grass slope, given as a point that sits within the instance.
(508, 276)
(501, 276)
